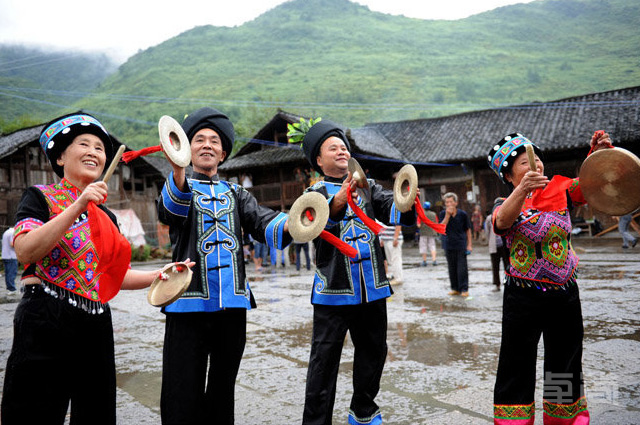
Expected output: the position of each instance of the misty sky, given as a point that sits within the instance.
(122, 27)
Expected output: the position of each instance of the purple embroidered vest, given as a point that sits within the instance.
(540, 248)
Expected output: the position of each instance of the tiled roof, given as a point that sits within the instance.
(12, 142)
(366, 141)
(553, 126)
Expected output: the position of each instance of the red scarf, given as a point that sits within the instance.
(113, 251)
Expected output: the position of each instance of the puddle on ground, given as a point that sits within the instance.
(143, 386)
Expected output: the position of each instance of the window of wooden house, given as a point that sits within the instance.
(4, 175)
(17, 178)
(34, 157)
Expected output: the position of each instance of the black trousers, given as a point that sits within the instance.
(367, 325)
(527, 314)
(501, 254)
(458, 269)
(193, 343)
(60, 355)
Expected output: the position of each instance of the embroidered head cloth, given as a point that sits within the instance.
(60, 132)
(502, 155)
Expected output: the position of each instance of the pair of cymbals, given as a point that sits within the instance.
(170, 285)
(405, 187)
(609, 180)
(174, 141)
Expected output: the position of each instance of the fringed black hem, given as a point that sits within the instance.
(544, 286)
(75, 300)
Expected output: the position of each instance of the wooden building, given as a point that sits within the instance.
(562, 129)
(450, 152)
(272, 162)
(23, 163)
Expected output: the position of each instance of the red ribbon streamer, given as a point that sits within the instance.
(438, 227)
(113, 252)
(368, 221)
(342, 246)
(127, 157)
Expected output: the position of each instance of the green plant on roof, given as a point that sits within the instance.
(298, 130)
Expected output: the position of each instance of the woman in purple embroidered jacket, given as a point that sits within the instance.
(541, 295)
(63, 349)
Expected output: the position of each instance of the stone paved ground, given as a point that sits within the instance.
(443, 350)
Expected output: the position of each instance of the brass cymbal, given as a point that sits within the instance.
(610, 181)
(164, 292)
(174, 141)
(301, 228)
(358, 174)
(405, 188)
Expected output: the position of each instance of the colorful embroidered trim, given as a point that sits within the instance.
(565, 411)
(26, 225)
(64, 124)
(374, 419)
(540, 248)
(514, 411)
(72, 262)
(503, 153)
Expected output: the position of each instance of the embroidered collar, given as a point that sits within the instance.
(66, 184)
(203, 177)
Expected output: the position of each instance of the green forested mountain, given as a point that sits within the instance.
(35, 84)
(339, 60)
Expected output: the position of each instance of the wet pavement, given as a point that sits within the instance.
(443, 351)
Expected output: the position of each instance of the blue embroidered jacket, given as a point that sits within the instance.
(206, 224)
(340, 280)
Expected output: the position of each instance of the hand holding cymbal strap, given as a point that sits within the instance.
(362, 188)
(173, 140)
(173, 281)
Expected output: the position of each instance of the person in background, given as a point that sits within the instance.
(628, 240)
(477, 221)
(259, 253)
(392, 240)
(302, 246)
(9, 260)
(273, 255)
(456, 244)
(497, 250)
(427, 241)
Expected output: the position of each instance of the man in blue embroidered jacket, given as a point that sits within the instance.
(206, 326)
(348, 294)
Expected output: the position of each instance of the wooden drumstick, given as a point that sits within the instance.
(114, 163)
(532, 157)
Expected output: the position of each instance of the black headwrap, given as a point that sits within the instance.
(314, 138)
(210, 118)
